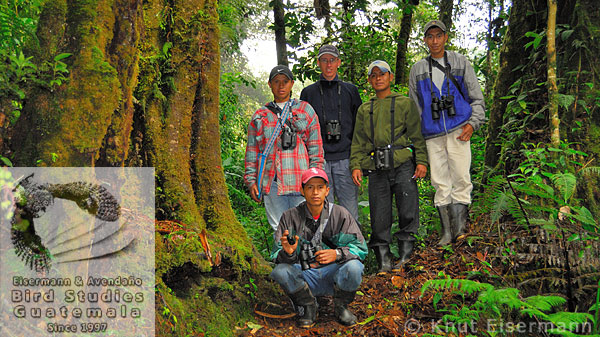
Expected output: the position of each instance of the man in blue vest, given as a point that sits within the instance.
(448, 95)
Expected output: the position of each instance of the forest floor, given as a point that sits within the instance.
(390, 304)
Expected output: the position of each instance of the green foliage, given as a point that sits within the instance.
(233, 122)
(501, 307)
(546, 181)
(18, 72)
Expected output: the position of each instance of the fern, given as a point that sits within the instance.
(591, 170)
(566, 184)
(465, 286)
(545, 303)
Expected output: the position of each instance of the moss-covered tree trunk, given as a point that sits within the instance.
(512, 54)
(403, 36)
(523, 70)
(143, 90)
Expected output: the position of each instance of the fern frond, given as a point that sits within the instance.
(561, 332)
(569, 320)
(591, 170)
(566, 184)
(500, 205)
(460, 285)
(545, 303)
(533, 312)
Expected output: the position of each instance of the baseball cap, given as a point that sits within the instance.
(434, 23)
(382, 65)
(329, 49)
(312, 173)
(281, 70)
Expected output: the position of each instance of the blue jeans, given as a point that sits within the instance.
(385, 185)
(341, 185)
(275, 204)
(347, 276)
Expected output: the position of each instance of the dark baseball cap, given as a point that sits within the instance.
(329, 49)
(281, 70)
(434, 23)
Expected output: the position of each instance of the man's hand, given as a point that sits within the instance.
(420, 171)
(467, 132)
(326, 256)
(290, 249)
(254, 193)
(357, 177)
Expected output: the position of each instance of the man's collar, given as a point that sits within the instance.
(272, 105)
(323, 79)
(325, 210)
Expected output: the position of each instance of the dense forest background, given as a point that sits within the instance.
(164, 83)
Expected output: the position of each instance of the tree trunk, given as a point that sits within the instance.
(512, 54)
(143, 90)
(446, 8)
(280, 41)
(520, 72)
(402, 47)
(552, 87)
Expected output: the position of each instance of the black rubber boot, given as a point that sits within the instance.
(341, 299)
(305, 299)
(447, 226)
(384, 258)
(460, 214)
(405, 249)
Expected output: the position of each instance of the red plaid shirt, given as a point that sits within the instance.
(290, 163)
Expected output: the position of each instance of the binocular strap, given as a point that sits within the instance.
(316, 239)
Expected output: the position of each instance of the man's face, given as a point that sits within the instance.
(436, 39)
(315, 191)
(380, 81)
(281, 86)
(329, 65)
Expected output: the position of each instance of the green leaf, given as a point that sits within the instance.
(7, 162)
(584, 216)
(62, 56)
(369, 319)
(566, 184)
(565, 100)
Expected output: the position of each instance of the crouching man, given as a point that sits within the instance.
(318, 252)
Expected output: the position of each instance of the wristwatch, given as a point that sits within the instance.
(338, 254)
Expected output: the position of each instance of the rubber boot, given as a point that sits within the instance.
(341, 299)
(405, 249)
(446, 221)
(384, 258)
(305, 299)
(460, 214)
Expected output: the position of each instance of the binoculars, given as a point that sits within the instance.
(307, 255)
(441, 104)
(383, 158)
(333, 130)
(288, 138)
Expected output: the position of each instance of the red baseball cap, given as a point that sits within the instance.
(314, 172)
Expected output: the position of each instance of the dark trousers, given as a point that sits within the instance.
(398, 183)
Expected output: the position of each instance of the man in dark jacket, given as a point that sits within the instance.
(386, 126)
(324, 255)
(449, 98)
(336, 103)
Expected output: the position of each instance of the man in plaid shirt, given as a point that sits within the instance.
(298, 146)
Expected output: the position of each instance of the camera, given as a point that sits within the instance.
(288, 138)
(291, 239)
(438, 105)
(333, 130)
(307, 255)
(383, 158)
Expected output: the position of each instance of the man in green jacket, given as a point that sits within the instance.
(386, 127)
